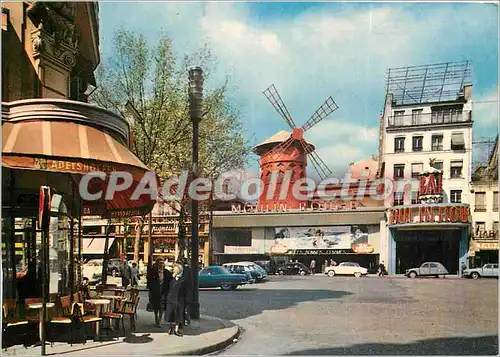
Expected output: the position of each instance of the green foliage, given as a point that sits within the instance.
(155, 82)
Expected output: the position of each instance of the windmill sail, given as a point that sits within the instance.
(327, 108)
(273, 96)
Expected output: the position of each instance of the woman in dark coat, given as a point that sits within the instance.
(158, 282)
(175, 299)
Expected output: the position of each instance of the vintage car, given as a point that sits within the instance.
(427, 269)
(293, 269)
(258, 273)
(346, 268)
(235, 268)
(219, 277)
(487, 271)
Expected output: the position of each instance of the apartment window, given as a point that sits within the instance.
(456, 196)
(480, 202)
(416, 116)
(495, 201)
(437, 142)
(480, 226)
(440, 116)
(399, 145)
(398, 198)
(457, 141)
(438, 165)
(417, 143)
(456, 169)
(399, 172)
(495, 228)
(398, 117)
(414, 197)
(416, 170)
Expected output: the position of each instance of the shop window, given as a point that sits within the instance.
(437, 142)
(399, 172)
(417, 143)
(416, 170)
(398, 198)
(495, 201)
(456, 196)
(234, 237)
(480, 202)
(399, 145)
(456, 169)
(416, 116)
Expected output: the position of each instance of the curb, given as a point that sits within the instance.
(212, 348)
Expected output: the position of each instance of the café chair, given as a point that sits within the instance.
(13, 324)
(63, 318)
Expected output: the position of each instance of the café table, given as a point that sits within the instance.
(39, 306)
(99, 303)
(113, 298)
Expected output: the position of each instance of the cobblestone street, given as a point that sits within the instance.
(349, 316)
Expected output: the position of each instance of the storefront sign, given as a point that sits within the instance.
(431, 184)
(334, 205)
(363, 248)
(164, 240)
(70, 166)
(279, 249)
(429, 214)
(487, 245)
(240, 250)
(327, 237)
(484, 234)
(319, 251)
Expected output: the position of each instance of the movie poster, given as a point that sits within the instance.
(333, 237)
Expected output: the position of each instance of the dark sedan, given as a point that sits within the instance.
(293, 269)
(219, 277)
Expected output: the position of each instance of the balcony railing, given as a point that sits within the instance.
(435, 118)
(480, 208)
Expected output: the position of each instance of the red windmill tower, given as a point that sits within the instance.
(283, 157)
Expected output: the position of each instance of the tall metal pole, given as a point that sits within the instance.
(195, 112)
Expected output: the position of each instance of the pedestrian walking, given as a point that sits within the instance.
(175, 297)
(312, 266)
(125, 273)
(333, 263)
(158, 283)
(134, 275)
(381, 269)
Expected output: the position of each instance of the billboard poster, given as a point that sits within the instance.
(320, 238)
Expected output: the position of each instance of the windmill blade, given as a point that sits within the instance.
(327, 108)
(278, 149)
(319, 165)
(273, 96)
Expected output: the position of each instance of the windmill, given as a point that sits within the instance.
(328, 107)
(286, 153)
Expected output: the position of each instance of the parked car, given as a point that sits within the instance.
(216, 276)
(346, 268)
(268, 265)
(488, 270)
(235, 268)
(427, 269)
(258, 273)
(293, 269)
(114, 267)
(92, 270)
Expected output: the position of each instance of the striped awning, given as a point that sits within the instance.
(73, 148)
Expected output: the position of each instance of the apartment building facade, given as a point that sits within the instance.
(425, 137)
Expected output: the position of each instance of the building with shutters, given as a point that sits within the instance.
(426, 126)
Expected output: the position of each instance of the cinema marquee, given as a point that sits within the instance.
(429, 214)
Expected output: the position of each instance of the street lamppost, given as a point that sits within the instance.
(195, 112)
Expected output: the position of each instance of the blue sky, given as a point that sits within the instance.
(313, 50)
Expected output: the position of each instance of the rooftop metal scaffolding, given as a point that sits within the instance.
(428, 83)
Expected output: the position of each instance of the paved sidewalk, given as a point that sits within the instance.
(206, 335)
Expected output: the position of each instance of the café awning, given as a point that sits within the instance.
(95, 245)
(69, 147)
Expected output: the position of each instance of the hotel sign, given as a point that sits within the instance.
(429, 214)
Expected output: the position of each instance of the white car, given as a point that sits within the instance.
(346, 268)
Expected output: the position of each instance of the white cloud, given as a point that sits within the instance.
(485, 111)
